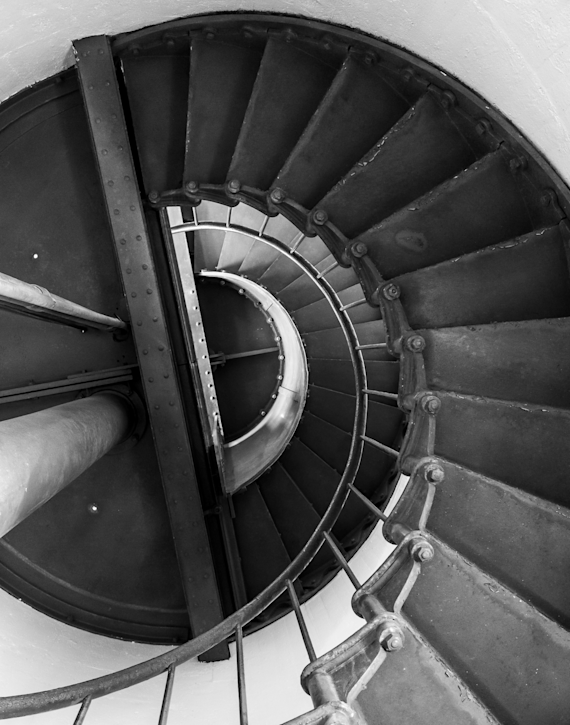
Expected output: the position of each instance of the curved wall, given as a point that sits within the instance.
(515, 53)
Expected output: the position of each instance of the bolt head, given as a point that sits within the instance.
(277, 196)
(415, 343)
(434, 473)
(359, 249)
(431, 404)
(234, 186)
(320, 216)
(153, 196)
(422, 551)
(393, 642)
(391, 291)
(483, 127)
(191, 187)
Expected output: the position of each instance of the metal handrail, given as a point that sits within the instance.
(85, 692)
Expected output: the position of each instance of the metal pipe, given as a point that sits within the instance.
(301, 621)
(241, 677)
(41, 453)
(165, 709)
(33, 299)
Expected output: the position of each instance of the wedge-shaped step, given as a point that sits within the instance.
(339, 375)
(208, 245)
(326, 440)
(527, 361)
(521, 540)
(292, 512)
(314, 477)
(221, 81)
(333, 345)
(414, 686)
(510, 655)
(357, 110)
(524, 446)
(523, 279)
(339, 278)
(289, 87)
(235, 250)
(318, 315)
(263, 554)
(157, 88)
(335, 408)
(259, 258)
(421, 151)
(281, 273)
(449, 222)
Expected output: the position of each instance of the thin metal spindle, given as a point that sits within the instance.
(381, 446)
(164, 710)
(194, 216)
(83, 710)
(372, 346)
(381, 393)
(262, 227)
(296, 242)
(368, 503)
(241, 676)
(339, 556)
(229, 217)
(330, 268)
(356, 303)
(301, 621)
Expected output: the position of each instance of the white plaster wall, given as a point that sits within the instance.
(514, 52)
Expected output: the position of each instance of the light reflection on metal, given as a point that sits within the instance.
(36, 301)
(196, 343)
(247, 457)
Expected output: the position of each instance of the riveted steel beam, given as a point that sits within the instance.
(157, 365)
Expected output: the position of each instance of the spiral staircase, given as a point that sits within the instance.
(378, 263)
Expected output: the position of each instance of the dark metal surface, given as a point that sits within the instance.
(221, 80)
(526, 361)
(513, 658)
(357, 110)
(511, 442)
(151, 338)
(289, 87)
(524, 279)
(531, 555)
(447, 222)
(422, 150)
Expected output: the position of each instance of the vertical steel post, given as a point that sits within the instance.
(41, 453)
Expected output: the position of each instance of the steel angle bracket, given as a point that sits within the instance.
(114, 160)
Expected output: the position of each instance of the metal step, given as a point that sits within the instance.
(357, 110)
(523, 279)
(419, 152)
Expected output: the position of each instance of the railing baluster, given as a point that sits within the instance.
(381, 446)
(301, 621)
(194, 216)
(381, 393)
(356, 303)
(372, 346)
(164, 710)
(296, 242)
(341, 560)
(229, 217)
(241, 676)
(262, 227)
(368, 503)
(330, 268)
(83, 710)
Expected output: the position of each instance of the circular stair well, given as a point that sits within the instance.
(361, 272)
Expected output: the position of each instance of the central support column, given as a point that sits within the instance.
(41, 453)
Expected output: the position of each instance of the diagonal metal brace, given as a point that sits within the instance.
(158, 370)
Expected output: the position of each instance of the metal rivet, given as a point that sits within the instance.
(138, 238)
(132, 207)
(161, 348)
(139, 323)
(116, 212)
(133, 294)
(129, 271)
(111, 183)
(104, 152)
(145, 266)
(151, 380)
(171, 402)
(145, 352)
(149, 291)
(123, 241)
(157, 407)
(93, 508)
(127, 178)
(166, 375)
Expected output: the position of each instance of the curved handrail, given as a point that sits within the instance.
(56, 698)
